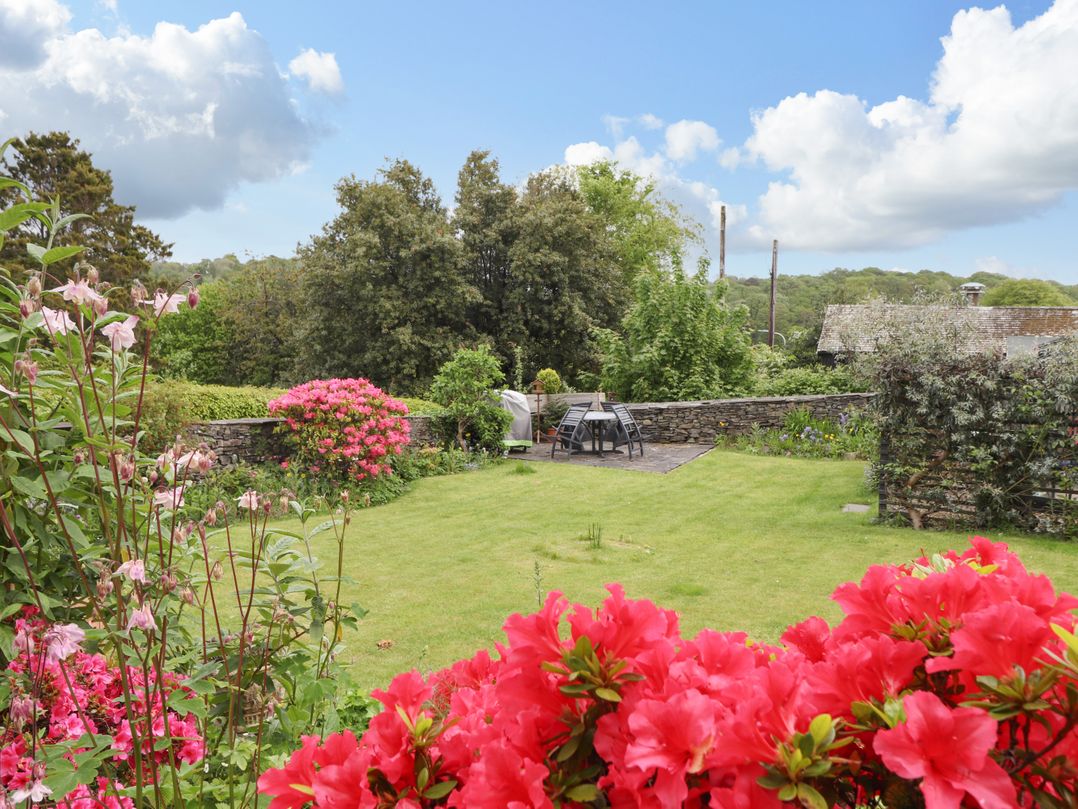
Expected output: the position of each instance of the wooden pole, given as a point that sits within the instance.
(722, 242)
(774, 278)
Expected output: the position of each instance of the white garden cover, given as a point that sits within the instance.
(521, 427)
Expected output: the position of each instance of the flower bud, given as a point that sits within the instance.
(28, 369)
(138, 292)
(216, 572)
(33, 286)
(27, 307)
(211, 517)
(92, 275)
(193, 297)
(104, 588)
(168, 582)
(101, 306)
(187, 595)
(79, 457)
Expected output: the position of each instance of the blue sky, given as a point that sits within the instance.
(860, 176)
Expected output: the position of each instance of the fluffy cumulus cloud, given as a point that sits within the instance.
(25, 28)
(996, 140)
(686, 138)
(683, 143)
(180, 117)
(319, 70)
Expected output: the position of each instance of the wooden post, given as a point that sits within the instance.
(774, 277)
(722, 242)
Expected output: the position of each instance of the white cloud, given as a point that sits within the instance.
(996, 140)
(584, 154)
(649, 121)
(730, 158)
(320, 70)
(685, 138)
(179, 117)
(995, 264)
(615, 124)
(25, 27)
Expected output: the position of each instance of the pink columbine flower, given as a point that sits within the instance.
(165, 304)
(62, 641)
(36, 791)
(249, 500)
(21, 711)
(79, 292)
(170, 499)
(121, 334)
(142, 619)
(135, 570)
(57, 321)
(27, 368)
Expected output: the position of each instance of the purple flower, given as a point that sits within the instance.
(134, 570)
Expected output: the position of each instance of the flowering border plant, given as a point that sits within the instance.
(348, 428)
(150, 654)
(951, 681)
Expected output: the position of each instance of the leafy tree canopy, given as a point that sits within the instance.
(680, 341)
(1027, 292)
(53, 166)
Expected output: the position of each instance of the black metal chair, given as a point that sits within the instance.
(626, 430)
(571, 430)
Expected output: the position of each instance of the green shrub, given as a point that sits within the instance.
(551, 381)
(420, 407)
(169, 406)
(466, 387)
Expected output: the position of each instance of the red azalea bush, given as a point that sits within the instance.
(67, 701)
(951, 681)
(343, 427)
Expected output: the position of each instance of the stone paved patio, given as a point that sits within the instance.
(659, 458)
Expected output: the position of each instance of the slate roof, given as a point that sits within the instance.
(848, 328)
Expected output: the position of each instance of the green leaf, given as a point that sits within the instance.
(440, 790)
(36, 251)
(820, 727)
(809, 796)
(60, 253)
(608, 694)
(17, 214)
(583, 793)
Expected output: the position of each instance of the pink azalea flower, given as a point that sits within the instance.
(134, 569)
(948, 749)
(57, 321)
(79, 292)
(121, 334)
(142, 619)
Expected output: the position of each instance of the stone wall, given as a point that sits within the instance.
(691, 422)
(255, 441)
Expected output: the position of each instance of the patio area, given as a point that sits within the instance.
(660, 458)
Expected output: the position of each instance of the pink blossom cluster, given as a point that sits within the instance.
(59, 694)
(945, 685)
(347, 427)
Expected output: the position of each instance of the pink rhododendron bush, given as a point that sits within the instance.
(348, 428)
(950, 682)
(73, 702)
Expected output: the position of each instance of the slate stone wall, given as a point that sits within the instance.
(692, 422)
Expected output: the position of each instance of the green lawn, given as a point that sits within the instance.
(730, 541)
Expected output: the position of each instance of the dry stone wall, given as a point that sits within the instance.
(691, 422)
(254, 440)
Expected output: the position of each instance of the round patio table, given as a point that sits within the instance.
(597, 420)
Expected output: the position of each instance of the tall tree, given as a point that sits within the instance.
(486, 220)
(647, 232)
(565, 278)
(385, 290)
(53, 166)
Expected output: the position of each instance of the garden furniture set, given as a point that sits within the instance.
(581, 426)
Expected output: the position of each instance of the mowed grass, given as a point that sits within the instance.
(730, 541)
